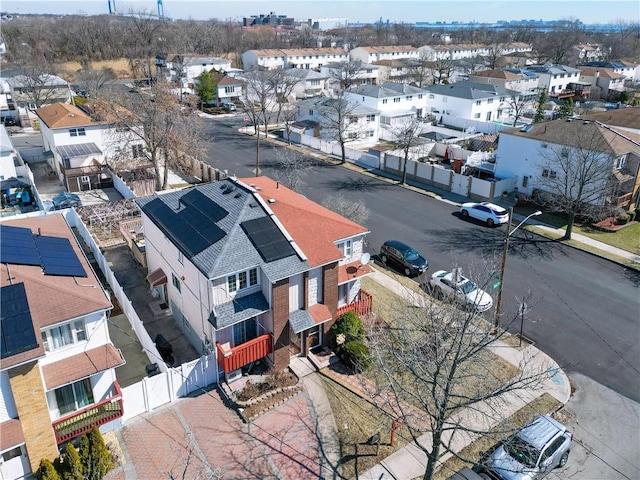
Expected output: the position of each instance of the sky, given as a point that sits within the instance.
(588, 11)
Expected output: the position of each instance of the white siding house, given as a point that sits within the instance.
(556, 79)
(468, 100)
(306, 58)
(376, 54)
(394, 101)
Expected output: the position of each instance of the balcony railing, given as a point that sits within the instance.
(231, 359)
(361, 305)
(81, 421)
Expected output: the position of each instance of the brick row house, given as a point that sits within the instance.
(58, 363)
(252, 270)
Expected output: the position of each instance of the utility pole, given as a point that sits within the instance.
(503, 269)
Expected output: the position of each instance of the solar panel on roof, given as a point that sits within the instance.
(59, 257)
(190, 228)
(16, 332)
(204, 204)
(17, 246)
(267, 238)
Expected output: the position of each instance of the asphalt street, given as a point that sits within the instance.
(582, 310)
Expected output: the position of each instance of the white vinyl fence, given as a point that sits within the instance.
(171, 383)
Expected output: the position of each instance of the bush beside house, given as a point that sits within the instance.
(348, 341)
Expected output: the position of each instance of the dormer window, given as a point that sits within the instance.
(346, 248)
(242, 280)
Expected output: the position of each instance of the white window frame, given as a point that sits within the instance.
(346, 247)
(621, 162)
(240, 281)
(77, 132)
(70, 332)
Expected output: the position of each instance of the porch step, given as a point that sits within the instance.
(301, 366)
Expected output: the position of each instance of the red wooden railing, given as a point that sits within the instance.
(83, 420)
(361, 305)
(241, 355)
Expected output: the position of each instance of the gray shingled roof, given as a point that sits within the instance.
(300, 320)
(471, 90)
(387, 90)
(552, 69)
(355, 108)
(234, 252)
(239, 310)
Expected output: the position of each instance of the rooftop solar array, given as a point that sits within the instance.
(267, 238)
(192, 228)
(55, 255)
(205, 205)
(16, 330)
(78, 150)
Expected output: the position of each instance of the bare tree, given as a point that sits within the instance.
(434, 370)
(519, 104)
(341, 121)
(282, 83)
(38, 85)
(152, 125)
(192, 464)
(291, 168)
(92, 80)
(420, 72)
(406, 137)
(258, 100)
(554, 45)
(354, 210)
(345, 75)
(145, 31)
(577, 174)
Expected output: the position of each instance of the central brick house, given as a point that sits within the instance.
(252, 270)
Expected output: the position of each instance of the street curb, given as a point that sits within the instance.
(423, 191)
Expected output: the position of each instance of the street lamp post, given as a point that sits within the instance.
(505, 251)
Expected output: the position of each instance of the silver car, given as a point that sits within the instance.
(454, 285)
(531, 453)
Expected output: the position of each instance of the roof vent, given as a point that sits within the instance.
(228, 190)
(223, 185)
(272, 200)
(586, 122)
(237, 195)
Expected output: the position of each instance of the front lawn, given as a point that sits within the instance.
(627, 238)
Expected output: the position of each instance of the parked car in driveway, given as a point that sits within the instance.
(533, 452)
(404, 257)
(486, 212)
(454, 285)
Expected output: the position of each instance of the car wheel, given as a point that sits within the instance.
(490, 222)
(383, 259)
(407, 271)
(465, 213)
(563, 459)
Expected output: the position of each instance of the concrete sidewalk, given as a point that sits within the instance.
(455, 199)
(411, 461)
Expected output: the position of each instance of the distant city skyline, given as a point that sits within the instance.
(407, 11)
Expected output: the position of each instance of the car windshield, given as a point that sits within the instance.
(411, 255)
(468, 287)
(524, 453)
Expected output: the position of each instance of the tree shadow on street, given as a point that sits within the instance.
(488, 241)
(353, 184)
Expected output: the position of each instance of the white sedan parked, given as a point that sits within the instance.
(453, 285)
(490, 213)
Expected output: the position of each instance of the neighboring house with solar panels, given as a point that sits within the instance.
(57, 370)
(252, 270)
(78, 146)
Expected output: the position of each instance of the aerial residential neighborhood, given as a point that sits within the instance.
(318, 242)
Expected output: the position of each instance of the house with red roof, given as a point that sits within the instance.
(58, 362)
(252, 270)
